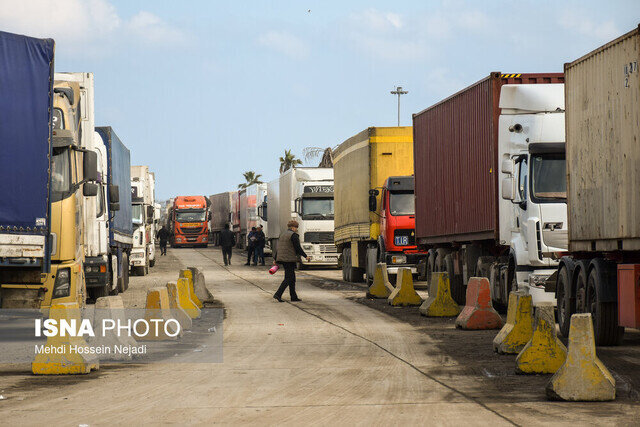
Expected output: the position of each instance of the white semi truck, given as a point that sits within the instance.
(253, 211)
(143, 252)
(306, 195)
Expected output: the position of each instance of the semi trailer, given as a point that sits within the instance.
(490, 184)
(374, 200)
(601, 272)
(220, 214)
(252, 199)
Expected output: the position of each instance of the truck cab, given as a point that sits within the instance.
(141, 227)
(190, 221)
(533, 209)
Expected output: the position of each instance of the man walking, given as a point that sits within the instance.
(287, 254)
(261, 240)
(251, 245)
(163, 235)
(227, 242)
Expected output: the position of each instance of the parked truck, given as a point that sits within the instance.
(190, 221)
(374, 200)
(251, 207)
(601, 273)
(306, 195)
(45, 173)
(219, 213)
(490, 184)
(142, 213)
(111, 266)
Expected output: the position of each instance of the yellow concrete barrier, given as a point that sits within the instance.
(188, 274)
(583, 377)
(404, 294)
(184, 299)
(544, 353)
(518, 330)
(111, 308)
(440, 303)
(63, 354)
(176, 311)
(381, 287)
(200, 287)
(162, 325)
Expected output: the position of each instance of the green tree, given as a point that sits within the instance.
(288, 161)
(250, 178)
(311, 153)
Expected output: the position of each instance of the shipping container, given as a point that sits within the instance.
(456, 161)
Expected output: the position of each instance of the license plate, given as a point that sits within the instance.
(401, 240)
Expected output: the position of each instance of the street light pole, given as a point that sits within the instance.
(399, 92)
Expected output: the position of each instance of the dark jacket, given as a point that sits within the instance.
(252, 239)
(227, 238)
(163, 234)
(261, 239)
(288, 248)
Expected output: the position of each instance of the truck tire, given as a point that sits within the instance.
(604, 314)
(152, 262)
(458, 290)
(580, 277)
(566, 303)
(95, 293)
(125, 272)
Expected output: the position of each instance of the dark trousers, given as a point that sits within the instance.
(163, 247)
(289, 280)
(250, 251)
(258, 254)
(226, 254)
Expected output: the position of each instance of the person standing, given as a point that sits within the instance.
(251, 245)
(261, 240)
(163, 235)
(227, 242)
(287, 252)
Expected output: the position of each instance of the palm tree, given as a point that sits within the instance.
(311, 153)
(288, 161)
(251, 178)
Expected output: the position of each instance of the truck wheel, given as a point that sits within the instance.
(457, 288)
(566, 304)
(580, 277)
(95, 293)
(604, 314)
(152, 262)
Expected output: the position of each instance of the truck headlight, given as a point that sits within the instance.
(62, 285)
(306, 246)
(398, 259)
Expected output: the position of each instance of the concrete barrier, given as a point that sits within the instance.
(184, 299)
(478, 312)
(381, 287)
(176, 311)
(440, 303)
(111, 308)
(158, 311)
(518, 329)
(59, 356)
(200, 287)
(404, 293)
(544, 353)
(582, 377)
(188, 274)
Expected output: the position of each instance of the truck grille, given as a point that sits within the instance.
(318, 237)
(328, 249)
(409, 233)
(191, 230)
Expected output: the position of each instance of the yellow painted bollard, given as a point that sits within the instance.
(583, 377)
(381, 287)
(176, 311)
(440, 303)
(544, 353)
(62, 357)
(188, 274)
(518, 330)
(162, 325)
(184, 299)
(404, 293)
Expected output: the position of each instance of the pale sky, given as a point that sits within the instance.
(201, 91)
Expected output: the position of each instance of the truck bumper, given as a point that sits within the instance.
(185, 241)
(138, 257)
(537, 285)
(96, 272)
(330, 259)
(394, 269)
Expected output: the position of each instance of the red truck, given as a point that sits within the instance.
(189, 219)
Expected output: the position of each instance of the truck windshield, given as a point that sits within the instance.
(317, 208)
(548, 177)
(60, 175)
(137, 214)
(191, 216)
(402, 204)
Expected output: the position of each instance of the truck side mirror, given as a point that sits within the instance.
(297, 206)
(89, 189)
(114, 207)
(150, 210)
(508, 191)
(90, 166)
(114, 194)
(209, 216)
(373, 205)
(507, 166)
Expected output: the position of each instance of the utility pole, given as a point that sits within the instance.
(399, 92)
